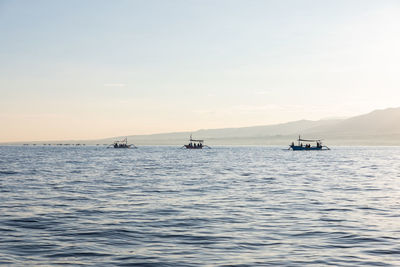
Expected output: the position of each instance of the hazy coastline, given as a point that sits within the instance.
(377, 128)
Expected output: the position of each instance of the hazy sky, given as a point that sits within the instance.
(93, 69)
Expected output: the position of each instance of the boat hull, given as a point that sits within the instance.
(192, 147)
(297, 148)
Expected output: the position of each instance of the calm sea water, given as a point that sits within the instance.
(163, 206)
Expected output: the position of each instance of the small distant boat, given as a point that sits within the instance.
(122, 144)
(307, 145)
(195, 144)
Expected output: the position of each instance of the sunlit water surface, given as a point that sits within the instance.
(164, 206)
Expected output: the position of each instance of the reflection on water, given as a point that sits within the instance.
(162, 206)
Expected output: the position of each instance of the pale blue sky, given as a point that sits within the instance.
(92, 69)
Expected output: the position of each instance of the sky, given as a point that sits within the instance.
(96, 69)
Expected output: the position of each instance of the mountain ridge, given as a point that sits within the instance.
(378, 127)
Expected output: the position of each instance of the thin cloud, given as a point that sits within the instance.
(114, 85)
(249, 109)
(265, 92)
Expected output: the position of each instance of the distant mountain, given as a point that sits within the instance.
(377, 127)
(269, 134)
(380, 127)
(377, 122)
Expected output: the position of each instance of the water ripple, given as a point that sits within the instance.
(162, 206)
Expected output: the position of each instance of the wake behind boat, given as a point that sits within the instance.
(307, 146)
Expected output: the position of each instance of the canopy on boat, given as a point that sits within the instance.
(310, 140)
(195, 140)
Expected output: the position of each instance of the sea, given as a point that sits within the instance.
(224, 206)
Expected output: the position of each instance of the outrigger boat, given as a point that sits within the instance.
(318, 145)
(195, 144)
(122, 144)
